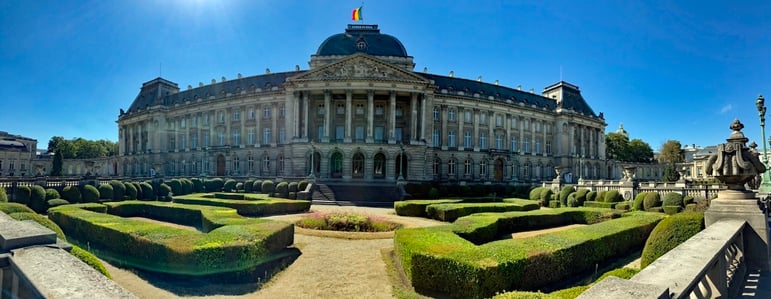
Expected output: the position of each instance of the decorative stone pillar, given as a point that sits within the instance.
(558, 181)
(628, 183)
(734, 165)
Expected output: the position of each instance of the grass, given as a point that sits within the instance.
(346, 222)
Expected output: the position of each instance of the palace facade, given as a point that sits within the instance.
(361, 113)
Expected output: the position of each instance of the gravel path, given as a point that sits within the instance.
(329, 267)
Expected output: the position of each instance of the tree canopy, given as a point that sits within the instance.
(618, 147)
(671, 152)
(80, 148)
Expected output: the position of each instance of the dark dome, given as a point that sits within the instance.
(362, 39)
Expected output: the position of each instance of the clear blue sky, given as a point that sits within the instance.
(680, 70)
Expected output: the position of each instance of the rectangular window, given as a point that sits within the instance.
(379, 132)
(281, 111)
(483, 141)
(236, 136)
(339, 133)
(195, 121)
(399, 112)
(222, 117)
(483, 118)
(514, 144)
(194, 141)
(320, 132)
(436, 113)
(499, 142)
(499, 121)
(451, 139)
(236, 115)
(251, 114)
(451, 115)
(206, 139)
(320, 110)
(467, 116)
(359, 133)
(435, 138)
(379, 110)
(548, 147)
(266, 136)
(467, 168)
(451, 167)
(182, 142)
(340, 109)
(467, 139)
(281, 135)
(221, 137)
(359, 109)
(537, 126)
(538, 147)
(266, 112)
(206, 119)
(182, 123)
(526, 145)
(527, 125)
(250, 136)
(398, 134)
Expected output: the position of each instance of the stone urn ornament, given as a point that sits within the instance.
(733, 163)
(558, 171)
(629, 173)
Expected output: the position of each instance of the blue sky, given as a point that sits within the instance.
(678, 70)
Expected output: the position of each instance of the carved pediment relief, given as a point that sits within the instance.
(360, 67)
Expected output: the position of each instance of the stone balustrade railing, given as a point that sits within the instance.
(710, 264)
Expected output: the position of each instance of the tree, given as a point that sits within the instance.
(671, 152)
(53, 144)
(618, 147)
(80, 148)
(640, 151)
(56, 169)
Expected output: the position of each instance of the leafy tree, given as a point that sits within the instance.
(618, 147)
(53, 144)
(80, 148)
(56, 169)
(671, 152)
(640, 151)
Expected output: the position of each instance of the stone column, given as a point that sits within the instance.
(327, 115)
(370, 115)
(490, 133)
(348, 109)
(414, 118)
(392, 119)
(459, 136)
(475, 138)
(258, 135)
(305, 96)
(274, 127)
(423, 120)
(444, 129)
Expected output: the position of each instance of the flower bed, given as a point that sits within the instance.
(346, 222)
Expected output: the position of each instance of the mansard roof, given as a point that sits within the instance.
(362, 39)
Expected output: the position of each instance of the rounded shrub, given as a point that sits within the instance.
(187, 186)
(118, 190)
(600, 196)
(213, 185)
(688, 200)
(591, 196)
(652, 200)
(52, 194)
(564, 193)
(140, 194)
(71, 194)
(572, 201)
(257, 186)
(581, 195)
(164, 192)
(3, 195)
(239, 187)
(673, 199)
(535, 193)
(545, 197)
(283, 189)
(176, 186)
(302, 185)
(248, 184)
(230, 186)
(90, 194)
(105, 191)
(37, 199)
(131, 191)
(147, 191)
(22, 194)
(57, 202)
(613, 196)
(197, 185)
(293, 187)
(669, 233)
(267, 187)
(637, 204)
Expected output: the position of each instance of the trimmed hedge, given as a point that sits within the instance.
(227, 196)
(230, 185)
(638, 204)
(3, 195)
(449, 212)
(438, 259)
(131, 191)
(673, 199)
(564, 193)
(672, 231)
(105, 191)
(229, 243)
(22, 194)
(671, 210)
(176, 186)
(417, 207)
(57, 202)
(197, 185)
(652, 200)
(52, 194)
(613, 196)
(535, 194)
(90, 194)
(14, 207)
(265, 207)
(213, 185)
(37, 199)
(71, 194)
(118, 190)
(302, 185)
(283, 189)
(147, 191)
(600, 204)
(580, 196)
(90, 259)
(545, 196)
(42, 220)
(267, 187)
(248, 184)
(624, 206)
(688, 200)
(591, 196)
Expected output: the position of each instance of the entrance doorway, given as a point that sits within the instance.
(220, 165)
(498, 170)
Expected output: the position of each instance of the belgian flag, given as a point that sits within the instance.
(356, 15)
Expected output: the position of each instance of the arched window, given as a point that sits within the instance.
(265, 165)
(357, 167)
(336, 165)
(451, 167)
(467, 167)
(379, 169)
(280, 165)
(437, 166)
(483, 168)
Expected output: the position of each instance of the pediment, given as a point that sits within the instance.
(357, 67)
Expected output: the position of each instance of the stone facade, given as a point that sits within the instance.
(16, 155)
(361, 110)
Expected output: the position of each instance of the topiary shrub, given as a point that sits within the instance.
(267, 187)
(671, 210)
(248, 184)
(591, 196)
(131, 191)
(137, 187)
(3, 195)
(187, 186)
(283, 189)
(118, 190)
(302, 185)
(572, 201)
(90, 194)
(147, 191)
(71, 194)
(545, 197)
(52, 194)
(601, 196)
(37, 199)
(652, 200)
(613, 196)
(673, 199)
(197, 185)
(213, 185)
(176, 186)
(688, 200)
(535, 193)
(239, 187)
(164, 192)
(624, 206)
(90, 260)
(257, 187)
(22, 194)
(293, 187)
(581, 195)
(230, 185)
(564, 193)
(639, 200)
(57, 202)
(669, 233)
(105, 191)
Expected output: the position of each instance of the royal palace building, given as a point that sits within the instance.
(361, 113)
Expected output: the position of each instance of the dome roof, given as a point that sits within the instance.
(362, 39)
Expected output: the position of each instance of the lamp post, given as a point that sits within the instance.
(400, 179)
(513, 165)
(765, 185)
(312, 175)
(203, 162)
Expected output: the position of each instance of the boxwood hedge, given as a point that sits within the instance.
(417, 207)
(264, 207)
(451, 211)
(228, 242)
(438, 259)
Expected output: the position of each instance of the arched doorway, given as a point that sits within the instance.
(336, 165)
(401, 166)
(379, 170)
(498, 170)
(220, 165)
(357, 167)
